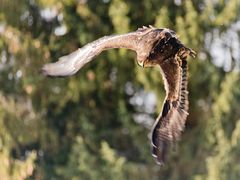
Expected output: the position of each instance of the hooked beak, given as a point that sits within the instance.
(141, 63)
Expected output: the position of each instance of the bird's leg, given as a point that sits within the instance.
(184, 52)
(179, 60)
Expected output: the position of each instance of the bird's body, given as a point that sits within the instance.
(153, 47)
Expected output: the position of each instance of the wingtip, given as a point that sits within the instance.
(44, 71)
(160, 160)
(159, 155)
(160, 163)
(157, 158)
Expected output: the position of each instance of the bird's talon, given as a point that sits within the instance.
(184, 52)
(191, 52)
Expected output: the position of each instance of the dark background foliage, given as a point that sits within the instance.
(95, 124)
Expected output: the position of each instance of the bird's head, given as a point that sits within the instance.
(156, 46)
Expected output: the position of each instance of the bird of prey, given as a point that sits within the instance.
(153, 46)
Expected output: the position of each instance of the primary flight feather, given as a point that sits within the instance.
(153, 47)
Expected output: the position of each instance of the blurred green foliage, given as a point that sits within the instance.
(82, 127)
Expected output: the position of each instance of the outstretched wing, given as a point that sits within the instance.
(171, 121)
(140, 41)
(70, 64)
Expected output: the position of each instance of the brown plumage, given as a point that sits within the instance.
(153, 47)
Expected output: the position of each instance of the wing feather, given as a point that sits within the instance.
(171, 122)
(140, 41)
(70, 64)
